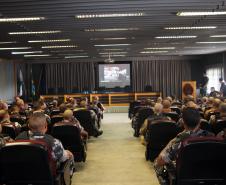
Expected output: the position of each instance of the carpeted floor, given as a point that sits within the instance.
(116, 157)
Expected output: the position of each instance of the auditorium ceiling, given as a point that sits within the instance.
(66, 29)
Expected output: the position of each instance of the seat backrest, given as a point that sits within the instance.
(18, 120)
(173, 115)
(84, 117)
(161, 132)
(10, 130)
(143, 114)
(219, 126)
(205, 125)
(176, 109)
(55, 112)
(201, 160)
(27, 162)
(70, 137)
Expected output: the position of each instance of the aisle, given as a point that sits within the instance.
(115, 158)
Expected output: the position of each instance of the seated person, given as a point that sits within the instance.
(222, 115)
(71, 103)
(166, 106)
(6, 121)
(83, 106)
(3, 105)
(157, 116)
(37, 129)
(191, 121)
(39, 108)
(69, 119)
(214, 109)
(214, 93)
(2, 138)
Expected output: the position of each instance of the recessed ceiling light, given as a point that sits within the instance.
(110, 45)
(111, 29)
(217, 42)
(161, 48)
(34, 32)
(13, 42)
(148, 52)
(111, 49)
(177, 37)
(68, 50)
(201, 13)
(58, 40)
(119, 38)
(27, 52)
(15, 48)
(89, 16)
(76, 56)
(199, 47)
(218, 36)
(68, 46)
(190, 28)
(37, 55)
(112, 53)
(21, 19)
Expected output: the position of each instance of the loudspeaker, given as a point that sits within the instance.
(188, 88)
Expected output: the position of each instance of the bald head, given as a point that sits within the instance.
(68, 114)
(37, 122)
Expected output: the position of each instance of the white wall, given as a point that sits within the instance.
(7, 84)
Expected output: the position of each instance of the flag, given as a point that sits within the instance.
(32, 85)
(21, 84)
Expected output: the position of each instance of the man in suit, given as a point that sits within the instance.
(223, 87)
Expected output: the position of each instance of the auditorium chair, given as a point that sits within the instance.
(75, 89)
(30, 162)
(132, 105)
(173, 115)
(85, 119)
(21, 121)
(61, 90)
(54, 120)
(138, 120)
(70, 137)
(159, 133)
(177, 104)
(127, 88)
(205, 125)
(201, 160)
(51, 91)
(54, 112)
(11, 130)
(176, 109)
(219, 126)
(148, 88)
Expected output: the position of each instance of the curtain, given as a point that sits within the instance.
(214, 72)
(79, 75)
(163, 76)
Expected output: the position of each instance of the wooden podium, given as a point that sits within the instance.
(188, 88)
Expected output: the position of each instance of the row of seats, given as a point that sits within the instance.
(200, 160)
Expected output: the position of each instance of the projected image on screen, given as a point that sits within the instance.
(112, 75)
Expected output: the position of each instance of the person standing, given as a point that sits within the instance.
(204, 84)
(223, 87)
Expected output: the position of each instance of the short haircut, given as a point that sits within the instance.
(221, 79)
(191, 117)
(166, 104)
(37, 121)
(37, 105)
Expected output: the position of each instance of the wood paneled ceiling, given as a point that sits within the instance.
(157, 14)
